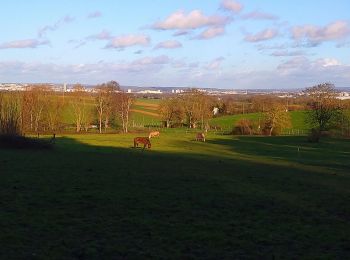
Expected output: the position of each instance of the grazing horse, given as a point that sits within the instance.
(142, 140)
(153, 134)
(200, 137)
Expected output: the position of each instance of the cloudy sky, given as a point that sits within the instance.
(236, 44)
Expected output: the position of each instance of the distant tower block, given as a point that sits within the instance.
(65, 87)
(129, 90)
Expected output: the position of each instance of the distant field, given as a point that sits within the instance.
(148, 101)
(227, 122)
(145, 111)
(95, 197)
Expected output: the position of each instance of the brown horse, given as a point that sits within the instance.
(200, 137)
(153, 134)
(142, 140)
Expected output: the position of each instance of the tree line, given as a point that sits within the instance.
(40, 109)
(324, 111)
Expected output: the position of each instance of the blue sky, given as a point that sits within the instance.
(224, 44)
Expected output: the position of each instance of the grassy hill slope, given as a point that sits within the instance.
(93, 196)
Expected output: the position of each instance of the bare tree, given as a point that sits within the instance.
(171, 110)
(34, 105)
(105, 103)
(78, 104)
(123, 103)
(54, 108)
(197, 107)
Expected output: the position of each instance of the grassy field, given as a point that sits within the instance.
(95, 197)
(227, 122)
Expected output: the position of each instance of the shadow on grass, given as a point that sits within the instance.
(80, 201)
(21, 142)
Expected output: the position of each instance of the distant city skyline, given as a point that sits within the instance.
(205, 44)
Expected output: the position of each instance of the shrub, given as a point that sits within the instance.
(314, 136)
(243, 127)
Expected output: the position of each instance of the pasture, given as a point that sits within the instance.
(95, 197)
(227, 122)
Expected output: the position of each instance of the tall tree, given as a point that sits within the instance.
(105, 103)
(276, 118)
(197, 107)
(325, 109)
(78, 105)
(34, 106)
(123, 103)
(171, 110)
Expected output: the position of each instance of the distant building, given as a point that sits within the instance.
(147, 91)
(129, 90)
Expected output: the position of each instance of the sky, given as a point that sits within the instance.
(227, 44)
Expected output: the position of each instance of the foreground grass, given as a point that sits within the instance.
(94, 196)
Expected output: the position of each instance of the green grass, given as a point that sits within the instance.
(143, 119)
(298, 120)
(148, 100)
(227, 122)
(95, 197)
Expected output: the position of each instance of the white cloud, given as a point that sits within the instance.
(297, 72)
(231, 5)
(21, 44)
(124, 41)
(134, 72)
(327, 62)
(316, 68)
(257, 15)
(264, 35)
(315, 34)
(171, 44)
(211, 33)
(193, 20)
(163, 59)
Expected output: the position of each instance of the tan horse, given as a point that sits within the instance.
(200, 137)
(153, 134)
(142, 140)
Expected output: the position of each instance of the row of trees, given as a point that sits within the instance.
(324, 111)
(40, 109)
(195, 108)
(192, 108)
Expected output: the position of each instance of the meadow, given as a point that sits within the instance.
(94, 196)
